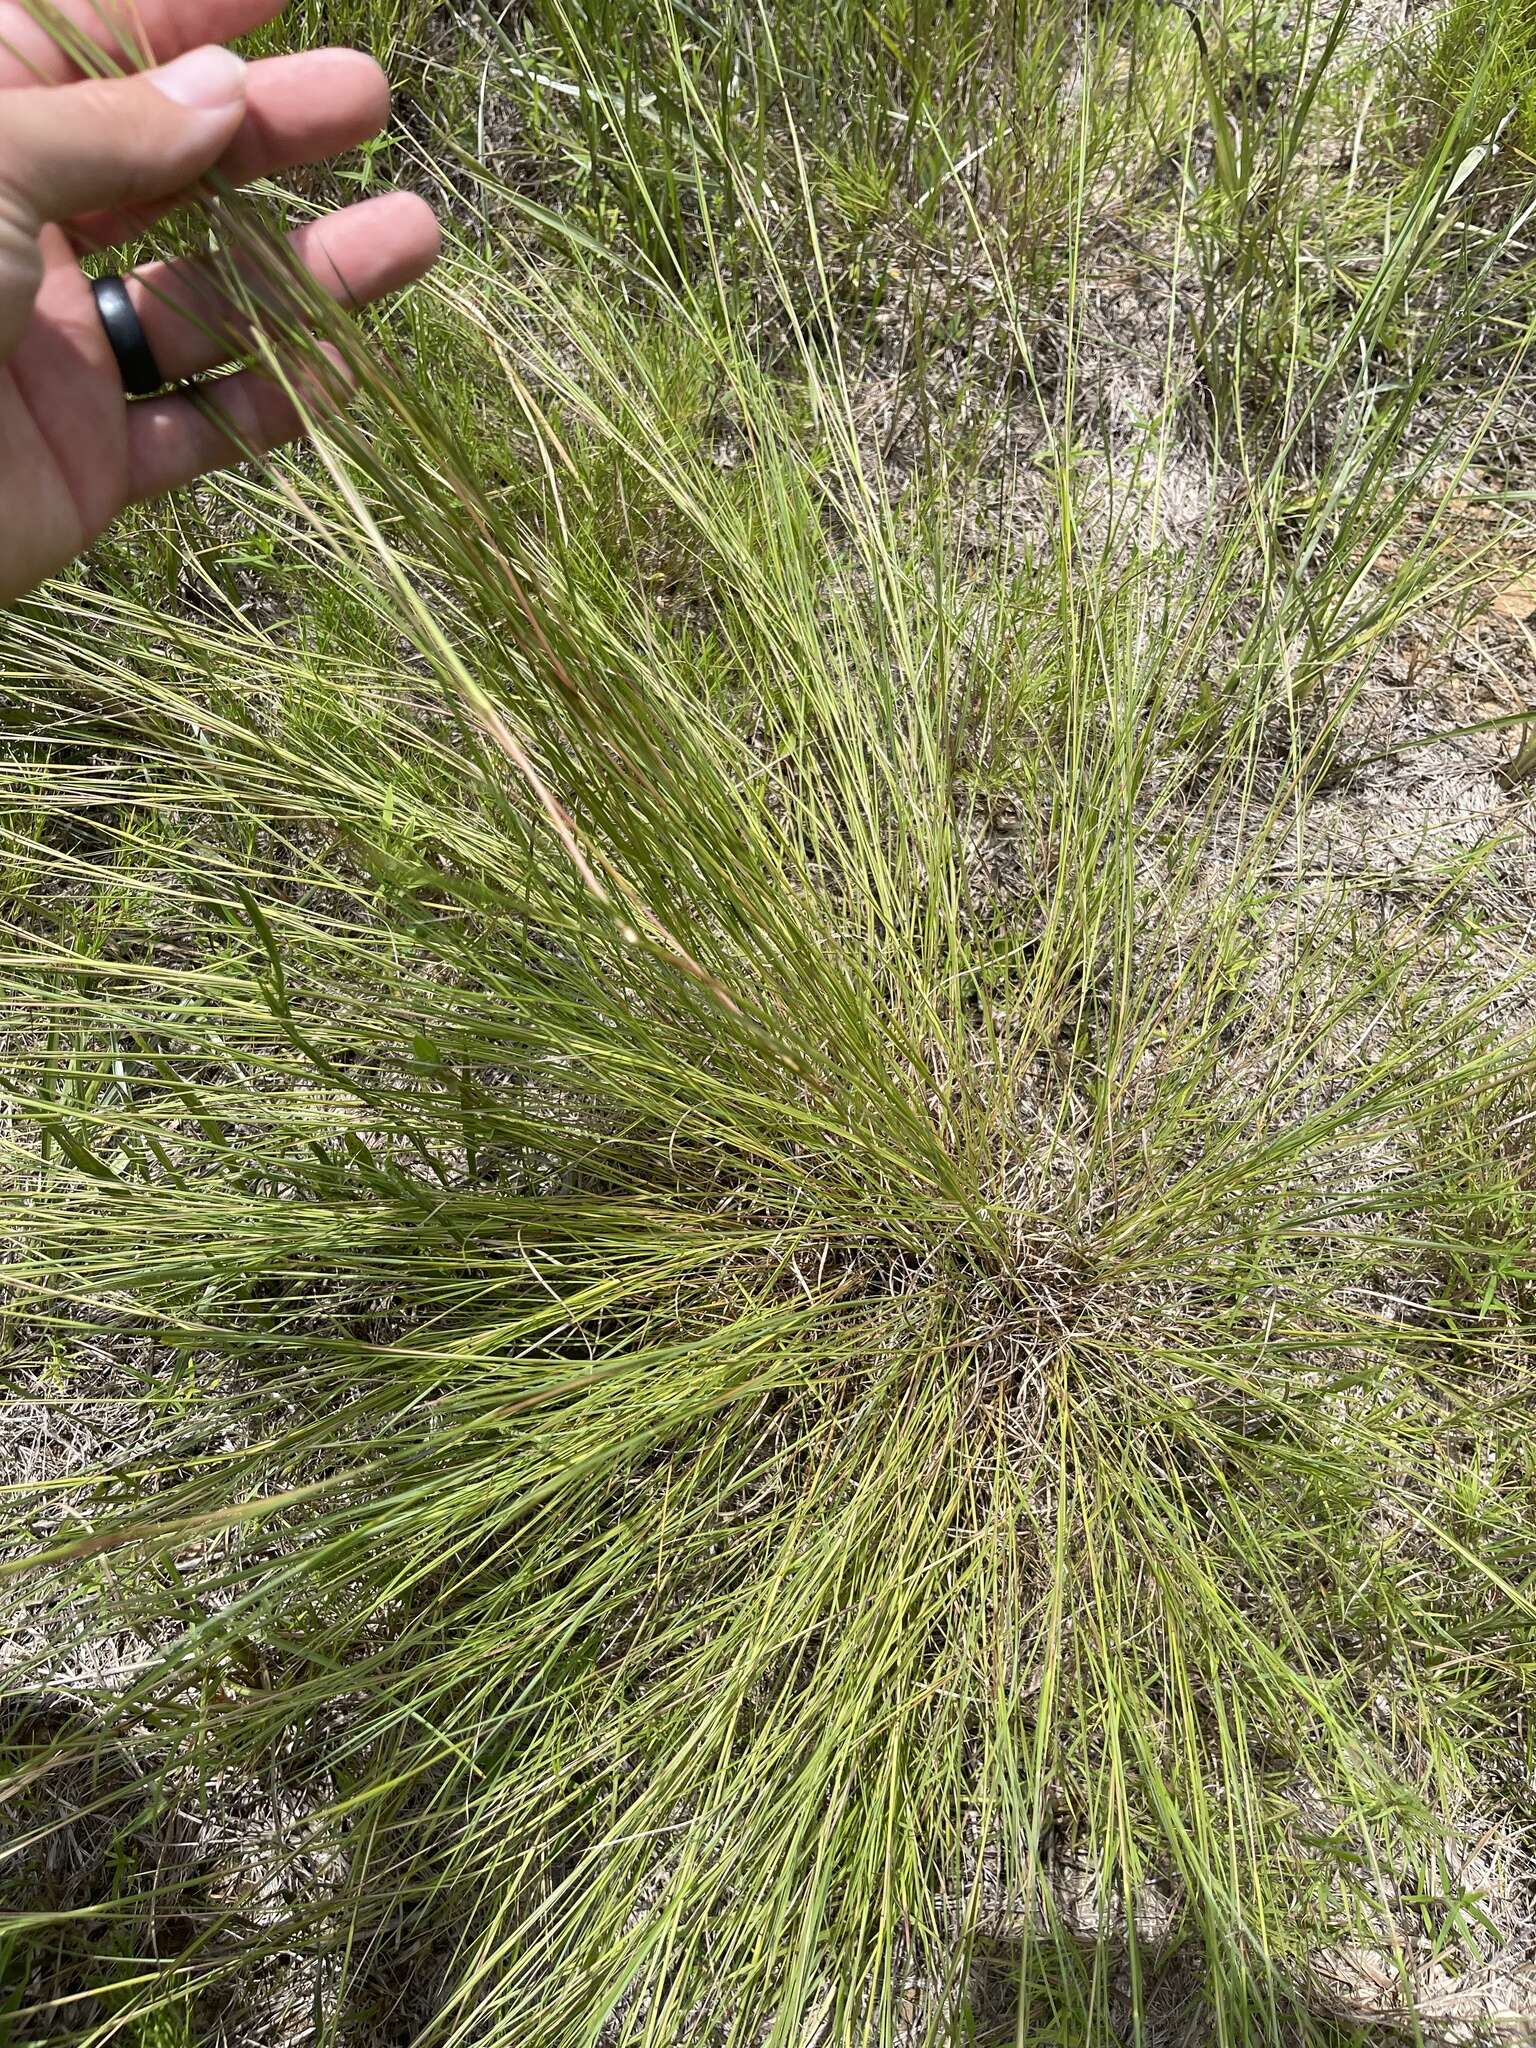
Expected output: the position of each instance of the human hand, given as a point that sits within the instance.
(88, 163)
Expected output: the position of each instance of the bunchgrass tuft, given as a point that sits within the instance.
(784, 1317)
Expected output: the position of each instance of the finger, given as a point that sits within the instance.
(298, 110)
(173, 441)
(129, 32)
(108, 143)
(73, 149)
(355, 256)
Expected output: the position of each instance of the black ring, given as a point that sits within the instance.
(140, 373)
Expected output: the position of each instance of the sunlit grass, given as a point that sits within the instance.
(736, 1419)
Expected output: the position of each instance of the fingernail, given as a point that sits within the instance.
(208, 78)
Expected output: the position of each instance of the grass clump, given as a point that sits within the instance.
(1484, 59)
(789, 1319)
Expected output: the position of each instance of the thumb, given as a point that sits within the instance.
(100, 146)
